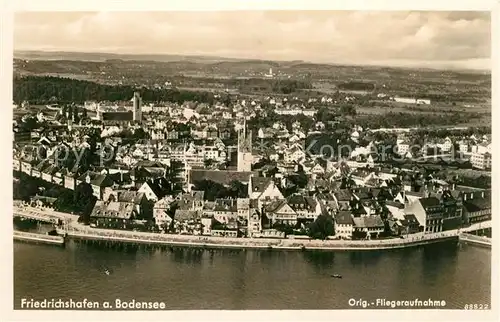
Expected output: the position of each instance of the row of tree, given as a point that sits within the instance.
(40, 90)
(214, 190)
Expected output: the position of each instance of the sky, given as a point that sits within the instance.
(434, 39)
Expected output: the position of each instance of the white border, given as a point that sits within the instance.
(207, 5)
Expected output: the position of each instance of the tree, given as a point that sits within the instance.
(348, 110)
(140, 134)
(84, 201)
(41, 89)
(84, 114)
(208, 163)
(212, 190)
(322, 227)
(65, 202)
(300, 179)
(238, 189)
(25, 188)
(29, 124)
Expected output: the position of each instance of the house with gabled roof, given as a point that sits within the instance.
(295, 153)
(143, 206)
(155, 189)
(369, 226)
(279, 212)
(264, 190)
(161, 212)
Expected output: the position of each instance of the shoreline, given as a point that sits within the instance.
(74, 230)
(254, 243)
(38, 238)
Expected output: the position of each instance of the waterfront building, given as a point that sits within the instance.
(452, 210)
(206, 223)
(306, 207)
(113, 215)
(429, 212)
(160, 212)
(476, 206)
(344, 224)
(255, 220)
(143, 206)
(370, 226)
(279, 212)
(224, 210)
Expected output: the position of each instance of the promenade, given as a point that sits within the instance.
(84, 232)
(77, 230)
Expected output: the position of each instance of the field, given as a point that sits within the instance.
(464, 92)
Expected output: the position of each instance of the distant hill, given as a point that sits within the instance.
(101, 57)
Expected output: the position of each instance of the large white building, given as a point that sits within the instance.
(481, 160)
(408, 100)
(295, 111)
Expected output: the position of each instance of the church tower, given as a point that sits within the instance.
(137, 107)
(244, 149)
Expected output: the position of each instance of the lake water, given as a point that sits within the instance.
(235, 280)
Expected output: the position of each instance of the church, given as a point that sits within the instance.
(122, 115)
(225, 177)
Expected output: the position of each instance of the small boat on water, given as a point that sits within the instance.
(336, 276)
(107, 272)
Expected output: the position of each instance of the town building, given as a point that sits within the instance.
(344, 224)
(481, 160)
(113, 215)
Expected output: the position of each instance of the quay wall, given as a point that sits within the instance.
(475, 240)
(254, 243)
(38, 238)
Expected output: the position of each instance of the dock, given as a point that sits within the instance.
(481, 241)
(38, 238)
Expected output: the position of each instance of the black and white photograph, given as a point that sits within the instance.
(252, 160)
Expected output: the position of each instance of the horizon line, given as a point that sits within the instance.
(418, 64)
